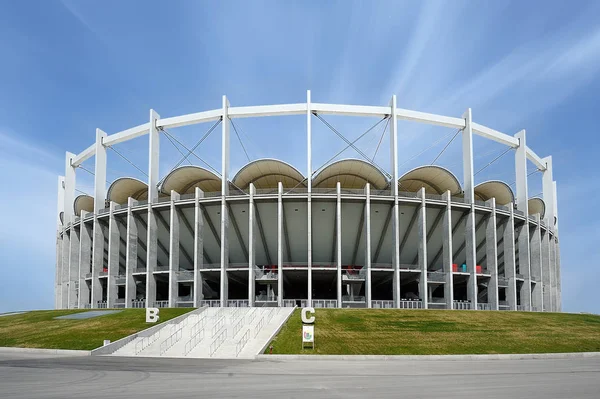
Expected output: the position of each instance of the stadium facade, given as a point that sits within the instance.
(347, 235)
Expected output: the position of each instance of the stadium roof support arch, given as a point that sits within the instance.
(185, 179)
(267, 173)
(435, 180)
(352, 174)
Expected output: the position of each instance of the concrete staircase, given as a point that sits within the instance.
(212, 332)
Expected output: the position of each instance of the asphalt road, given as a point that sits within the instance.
(35, 376)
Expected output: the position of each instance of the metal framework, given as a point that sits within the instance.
(529, 242)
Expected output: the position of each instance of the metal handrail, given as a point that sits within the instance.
(325, 303)
(217, 326)
(146, 341)
(410, 304)
(193, 342)
(242, 342)
(218, 341)
(462, 305)
(383, 304)
(259, 326)
(171, 340)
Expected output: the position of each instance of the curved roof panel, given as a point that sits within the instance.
(83, 203)
(267, 173)
(351, 173)
(494, 189)
(124, 187)
(435, 179)
(536, 205)
(185, 179)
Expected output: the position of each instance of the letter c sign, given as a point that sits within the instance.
(305, 318)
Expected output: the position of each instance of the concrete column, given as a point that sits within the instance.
(509, 259)
(309, 195)
(552, 261)
(173, 252)
(557, 251)
(198, 248)
(58, 273)
(74, 269)
(64, 278)
(467, 150)
(99, 172)
(548, 192)
(85, 259)
(471, 257)
(251, 241)
(396, 207)
(338, 242)
(60, 202)
(97, 261)
(69, 190)
(131, 254)
(153, 158)
(547, 291)
(114, 243)
(224, 208)
(491, 254)
(422, 254)
(447, 251)
(537, 297)
(522, 198)
(151, 256)
(524, 265)
(279, 244)
(368, 256)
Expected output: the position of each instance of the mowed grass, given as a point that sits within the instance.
(39, 329)
(434, 332)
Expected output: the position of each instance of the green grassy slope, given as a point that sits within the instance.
(428, 332)
(38, 329)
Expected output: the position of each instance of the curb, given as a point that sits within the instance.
(525, 356)
(39, 351)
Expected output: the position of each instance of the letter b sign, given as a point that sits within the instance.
(152, 315)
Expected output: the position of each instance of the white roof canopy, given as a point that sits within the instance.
(124, 187)
(185, 179)
(267, 173)
(83, 203)
(352, 174)
(494, 189)
(536, 205)
(435, 179)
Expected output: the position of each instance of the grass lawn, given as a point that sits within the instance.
(38, 329)
(429, 332)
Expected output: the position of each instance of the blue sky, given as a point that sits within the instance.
(69, 67)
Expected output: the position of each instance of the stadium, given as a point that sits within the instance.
(348, 234)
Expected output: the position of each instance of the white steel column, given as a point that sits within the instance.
(61, 202)
(422, 254)
(99, 172)
(99, 202)
(447, 251)
(309, 192)
(338, 242)
(224, 210)
(69, 190)
(251, 252)
(66, 249)
(198, 248)
(549, 218)
(552, 261)
(74, 269)
(548, 192)
(153, 158)
(279, 244)
(114, 243)
(557, 252)
(85, 259)
(509, 259)
(131, 254)
(173, 252)
(152, 228)
(467, 152)
(367, 229)
(491, 254)
(537, 297)
(468, 186)
(396, 207)
(522, 200)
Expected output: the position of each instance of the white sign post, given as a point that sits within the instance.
(152, 315)
(308, 328)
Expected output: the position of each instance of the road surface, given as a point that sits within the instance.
(47, 376)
